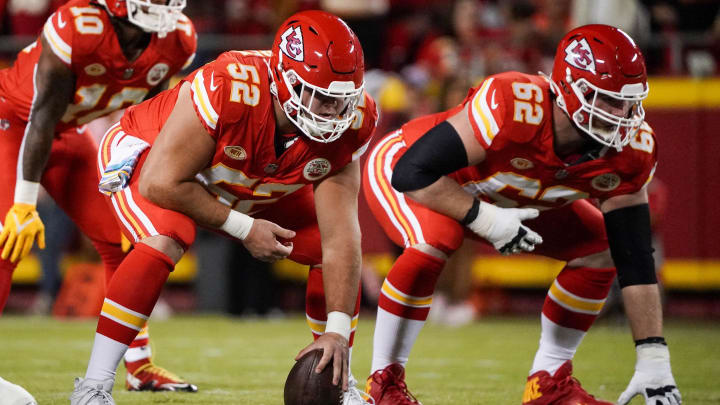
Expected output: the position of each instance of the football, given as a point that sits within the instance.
(306, 387)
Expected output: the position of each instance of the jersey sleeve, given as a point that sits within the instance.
(188, 40)
(486, 111)
(207, 88)
(58, 32)
(370, 116)
(640, 161)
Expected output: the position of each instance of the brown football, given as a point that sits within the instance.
(306, 387)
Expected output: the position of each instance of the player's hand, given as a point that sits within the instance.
(504, 229)
(262, 241)
(653, 377)
(335, 348)
(22, 225)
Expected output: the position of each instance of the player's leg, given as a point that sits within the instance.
(11, 136)
(297, 212)
(406, 294)
(160, 237)
(575, 234)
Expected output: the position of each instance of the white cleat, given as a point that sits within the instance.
(354, 396)
(13, 394)
(92, 392)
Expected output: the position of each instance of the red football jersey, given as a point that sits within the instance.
(81, 34)
(232, 99)
(511, 115)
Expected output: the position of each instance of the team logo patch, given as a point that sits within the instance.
(316, 169)
(579, 54)
(606, 182)
(157, 73)
(521, 163)
(95, 69)
(291, 44)
(235, 152)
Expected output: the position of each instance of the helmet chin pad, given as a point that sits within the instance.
(151, 17)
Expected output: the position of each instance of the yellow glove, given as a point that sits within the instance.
(22, 225)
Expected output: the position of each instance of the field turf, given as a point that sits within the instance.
(235, 361)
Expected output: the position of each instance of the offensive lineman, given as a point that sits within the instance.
(521, 155)
(263, 147)
(93, 57)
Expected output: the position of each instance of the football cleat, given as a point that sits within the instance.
(92, 392)
(559, 389)
(354, 396)
(143, 375)
(387, 387)
(13, 394)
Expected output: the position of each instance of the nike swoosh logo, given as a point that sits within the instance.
(213, 87)
(493, 104)
(61, 23)
(21, 226)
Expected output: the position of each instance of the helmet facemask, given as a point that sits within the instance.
(153, 17)
(304, 96)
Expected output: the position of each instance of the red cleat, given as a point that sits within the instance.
(560, 389)
(143, 375)
(387, 387)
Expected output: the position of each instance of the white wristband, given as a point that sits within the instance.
(340, 323)
(26, 192)
(238, 224)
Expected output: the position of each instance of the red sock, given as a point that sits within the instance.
(6, 271)
(315, 309)
(133, 292)
(577, 296)
(112, 256)
(408, 289)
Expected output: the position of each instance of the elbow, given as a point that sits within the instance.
(153, 190)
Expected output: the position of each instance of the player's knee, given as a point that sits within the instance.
(166, 245)
(430, 250)
(601, 260)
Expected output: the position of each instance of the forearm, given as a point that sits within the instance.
(341, 271)
(189, 198)
(455, 201)
(644, 310)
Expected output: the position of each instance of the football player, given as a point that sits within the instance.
(92, 58)
(514, 165)
(263, 147)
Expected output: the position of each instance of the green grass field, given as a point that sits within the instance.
(245, 362)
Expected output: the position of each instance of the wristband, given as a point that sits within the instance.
(472, 212)
(26, 192)
(238, 224)
(340, 323)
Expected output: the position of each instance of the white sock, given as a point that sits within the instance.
(137, 353)
(393, 339)
(105, 357)
(558, 344)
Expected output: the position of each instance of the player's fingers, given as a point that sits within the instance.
(338, 377)
(533, 237)
(41, 239)
(528, 213)
(283, 233)
(345, 374)
(17, 248)
(283, 250)
(525, 246)
(626, 396)
(26, 247)
(324, 361)
(4, 235)
(7, 249)
(305, 351)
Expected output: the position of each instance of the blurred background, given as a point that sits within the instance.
(422, 56)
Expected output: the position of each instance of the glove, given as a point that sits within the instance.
(503, 228)
(22, 226)
(653, 377)
(118, 171)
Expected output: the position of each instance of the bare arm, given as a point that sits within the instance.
(182, 149)
(455, 202)
(336, 204)
(642, 302)
(54, 87)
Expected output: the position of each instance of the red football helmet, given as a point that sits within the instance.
(146, 14)
(315, 58)
(599, 80)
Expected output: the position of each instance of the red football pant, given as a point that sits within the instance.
(572, 231)
(70, 179)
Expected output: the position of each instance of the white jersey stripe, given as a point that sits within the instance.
(402, 202)
(59, 47)
(202, 101)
